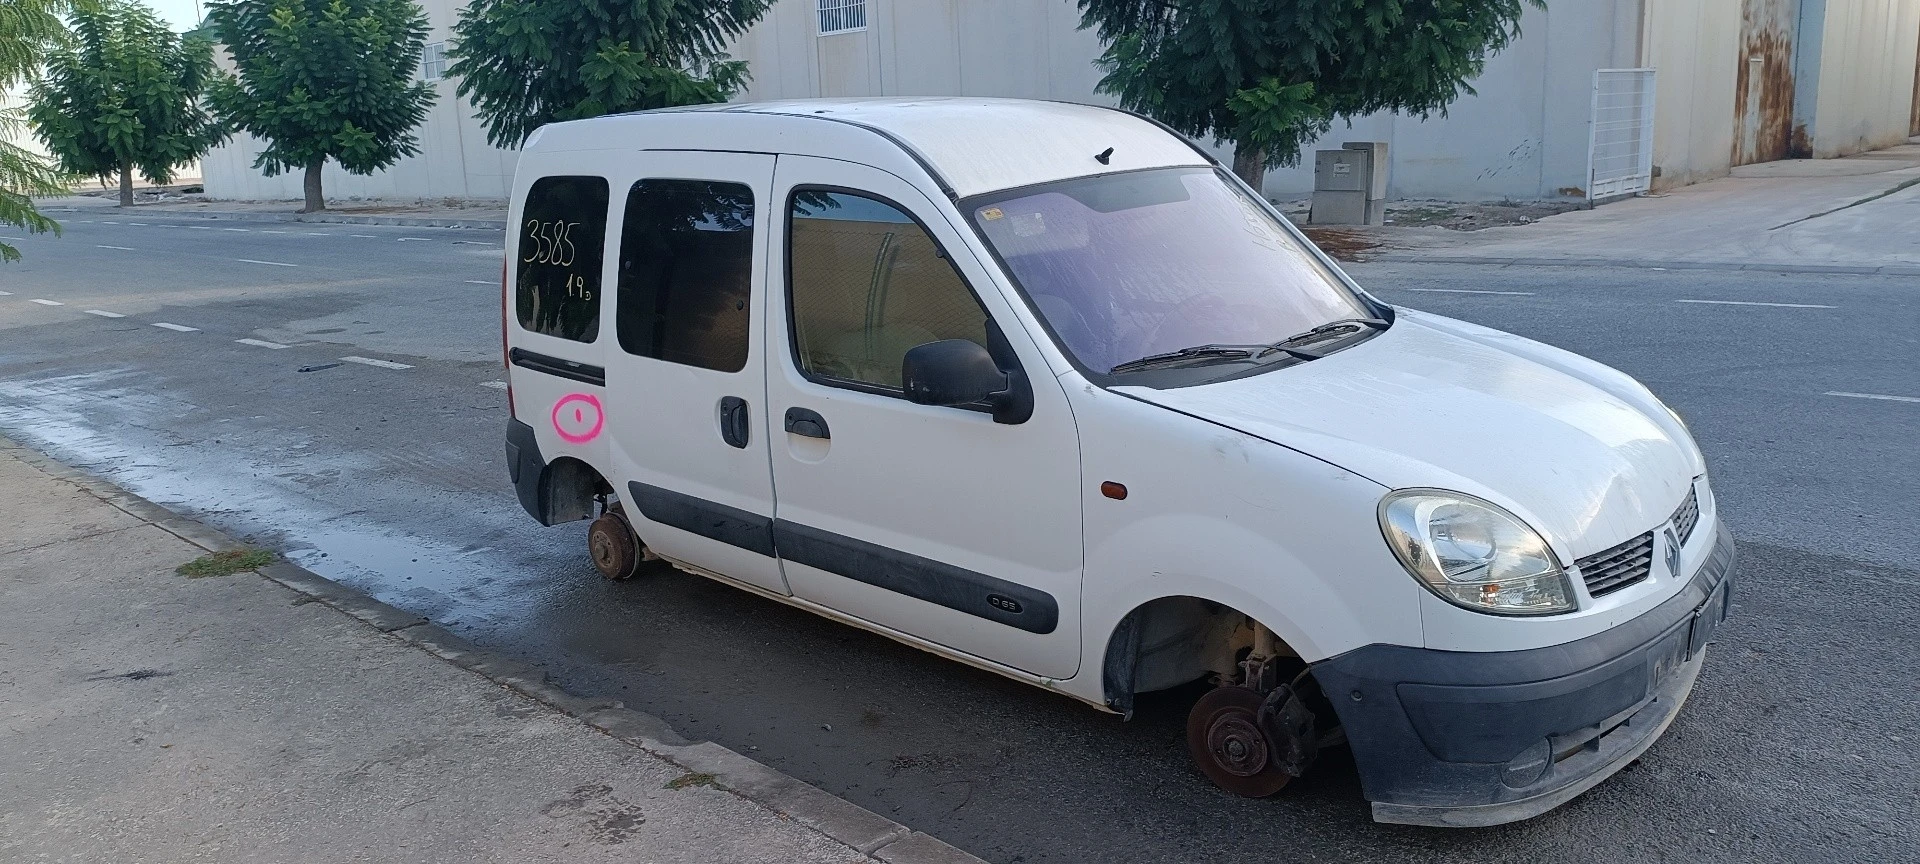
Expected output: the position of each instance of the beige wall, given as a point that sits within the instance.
(1695, 46)
(1866, 76)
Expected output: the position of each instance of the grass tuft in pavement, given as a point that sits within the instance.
(225, 563)
(691, 778)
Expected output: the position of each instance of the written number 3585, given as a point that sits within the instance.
(548, 243)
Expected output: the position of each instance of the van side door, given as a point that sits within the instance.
(685, 372)
(934, 522)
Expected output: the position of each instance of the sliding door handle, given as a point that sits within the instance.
(807, 423)
(733, 421)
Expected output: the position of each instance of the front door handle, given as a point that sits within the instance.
(733, 421)
(807, 423)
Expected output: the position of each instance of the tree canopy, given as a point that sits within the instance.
(525, 63)
(323, 79)
(124, 96)
(28, 28)
(1273, 75)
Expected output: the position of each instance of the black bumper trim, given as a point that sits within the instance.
(527, 469)
(1464, 738)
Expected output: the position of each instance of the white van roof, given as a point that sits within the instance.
(970, 144)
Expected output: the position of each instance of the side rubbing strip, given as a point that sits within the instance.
(584, 373)
(729, 525)
(921, 578)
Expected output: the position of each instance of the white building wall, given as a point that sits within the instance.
(1695, 47)
(1866, 86)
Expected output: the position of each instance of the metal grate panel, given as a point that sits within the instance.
(1610, 570)
(1620, 152)
(842, 16)
(1687, 517)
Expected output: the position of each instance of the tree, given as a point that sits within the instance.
(125, 95)
(323, 79)
(27, 29)
(526, 63)
(1272, 75)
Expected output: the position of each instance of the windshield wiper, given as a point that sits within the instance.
(1318, 334)
(1208, 353)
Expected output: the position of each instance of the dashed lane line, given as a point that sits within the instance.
(199, 228)
(45, 302)
(481, 282)
(265, 231)
(242, 230)
(318, 234)
(260, 342)
(177, 328)
(369, 361)
(365, 236)
(1880, 396)
(495, 385)
(105, 246)
(1756, 303)
(6, 293)
(413, 239)
(268, 263)
(1470, 291)
(138, 224)
(104, 313)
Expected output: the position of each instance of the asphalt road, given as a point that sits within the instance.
(1798, 745)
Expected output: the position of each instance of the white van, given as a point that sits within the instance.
(1041, 388)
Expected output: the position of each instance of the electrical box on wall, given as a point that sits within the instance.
(1350, 185)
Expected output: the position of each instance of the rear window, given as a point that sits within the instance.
(563, 232)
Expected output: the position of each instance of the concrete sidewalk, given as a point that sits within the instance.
(479, 213)
(276, 716)
(1860, 214)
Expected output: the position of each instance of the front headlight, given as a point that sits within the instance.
(1474, 554)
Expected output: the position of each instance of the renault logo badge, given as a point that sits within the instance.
(1673, 553)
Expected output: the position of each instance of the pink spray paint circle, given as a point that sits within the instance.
(577, 418)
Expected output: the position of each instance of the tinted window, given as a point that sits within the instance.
(686, 267)
(563, 231)
(1127, 265)
(866, 285)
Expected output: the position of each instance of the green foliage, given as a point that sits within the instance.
(323, 79)
(1272, 75)
(226, 563)
(525, 63)
(28, 28)
(126, 92)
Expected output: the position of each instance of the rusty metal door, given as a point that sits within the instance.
(1763, 102)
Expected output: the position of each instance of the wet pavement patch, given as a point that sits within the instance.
(135, 675)
(226, 563)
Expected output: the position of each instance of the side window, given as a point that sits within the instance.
(563, 231)
(686, 269)
(865, 284)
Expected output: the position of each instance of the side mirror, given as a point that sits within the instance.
(959, 372)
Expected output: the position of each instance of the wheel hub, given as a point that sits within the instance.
(1237, 744)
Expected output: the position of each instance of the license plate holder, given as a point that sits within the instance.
(1706, 619)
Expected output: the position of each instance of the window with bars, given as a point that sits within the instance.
(842, 16)
(433, 61)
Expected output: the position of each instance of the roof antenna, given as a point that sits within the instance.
(1103, 156)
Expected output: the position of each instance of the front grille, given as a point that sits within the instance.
(1612, 569)
(1688, 516)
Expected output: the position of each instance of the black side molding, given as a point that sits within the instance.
(585, 373)
(730, 525)
(956, 588)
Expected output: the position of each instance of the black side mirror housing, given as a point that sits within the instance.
(961, 373)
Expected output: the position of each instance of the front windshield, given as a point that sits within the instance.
(1126, 266)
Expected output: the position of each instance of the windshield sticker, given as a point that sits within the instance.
(577, 418)
(1029, 224)
(991, 214)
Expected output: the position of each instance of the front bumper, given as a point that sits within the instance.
(1463, 739)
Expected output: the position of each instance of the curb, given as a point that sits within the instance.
(337, 218)
(871, 834)
(1644, 264)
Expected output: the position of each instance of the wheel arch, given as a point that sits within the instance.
(1172, 639)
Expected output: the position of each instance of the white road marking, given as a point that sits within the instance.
(481, 282)
(384, 364)
(268, 263)
(105, 222)
(472, 243)
(140, 224)
(200, 227)
(105, 246)
(413, 239)
(265, 231)
(177, 328)
(1752, 303)
(6, 293)
(104, 313)
(1471, 291)
(497, 385)
(237, 229)
(47, 302)
(318, 234)
(83, 221)
(364, 236)
(1874, 396)
(260, 342)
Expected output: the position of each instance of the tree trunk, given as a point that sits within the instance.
(1250, 165)
(126, 184)
(315, 200)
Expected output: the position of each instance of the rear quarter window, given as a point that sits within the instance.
(562, 238)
